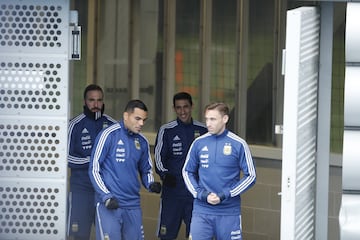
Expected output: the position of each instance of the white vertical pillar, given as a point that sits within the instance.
(324, 121)
(349, 216)
(299, 125)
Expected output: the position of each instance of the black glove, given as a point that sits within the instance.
(169, 181)
(111, 203)
(155, 187)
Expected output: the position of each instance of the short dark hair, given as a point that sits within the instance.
(92, 87)
(135, 103)
(221, 107)
(182, 96)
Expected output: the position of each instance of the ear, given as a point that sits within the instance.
(225, 118)
(125, 115)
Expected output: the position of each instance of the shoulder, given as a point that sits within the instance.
(143, 139)
(199, 124)
(79, 118)
(236, 138)
(112, 129)
(203, 138)
(109, 118)
(169, 125)
(201, 142)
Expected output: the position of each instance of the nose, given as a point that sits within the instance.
(207, 123)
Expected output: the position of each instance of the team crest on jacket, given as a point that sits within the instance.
(137, 144)
(163, 230)
(227, 149)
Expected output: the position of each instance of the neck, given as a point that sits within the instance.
(93, 115)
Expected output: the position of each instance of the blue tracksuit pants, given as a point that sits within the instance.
(119, 224)
(222, 227)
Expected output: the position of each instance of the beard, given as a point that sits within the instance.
(94, 113)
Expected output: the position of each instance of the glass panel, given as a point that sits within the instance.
(158, 98)
(187, 50)
(260, 72)
(148, 55)
(112, 54)
(111, 57)
(338, 79)
(223, 54)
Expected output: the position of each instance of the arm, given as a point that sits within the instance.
(249, 173)
(248, 178)
(146, 171)
(191, 175)
(97, 158)
(160, 153)
(76, 157)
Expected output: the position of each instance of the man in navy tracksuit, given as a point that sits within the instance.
(120, 157)
(82, 132)
(212, 173)
(172, 144)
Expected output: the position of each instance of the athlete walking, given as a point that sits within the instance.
(217, 170)
(120, 159)
(172, 144)
(82, 132)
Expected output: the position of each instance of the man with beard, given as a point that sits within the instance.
(82, 132)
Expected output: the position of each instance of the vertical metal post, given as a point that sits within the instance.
(278, 80)
(324, 117)
(134, 49)
(242, 35)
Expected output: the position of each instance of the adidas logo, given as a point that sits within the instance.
(205, 149)
(176, 138)
(85, 131)
(120, 142)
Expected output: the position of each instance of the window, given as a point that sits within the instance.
(124, 44)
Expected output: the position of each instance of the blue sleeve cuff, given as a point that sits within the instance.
(106, 196)
(222, 196)
(203, 195)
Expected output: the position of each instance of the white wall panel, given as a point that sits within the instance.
(352, 34)
(34, 69)
(352, 96)
(351, 163)
(299, 125)
(34, 85)
(34, 27)
(349, 216)
(33, 147)
(32, 209)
